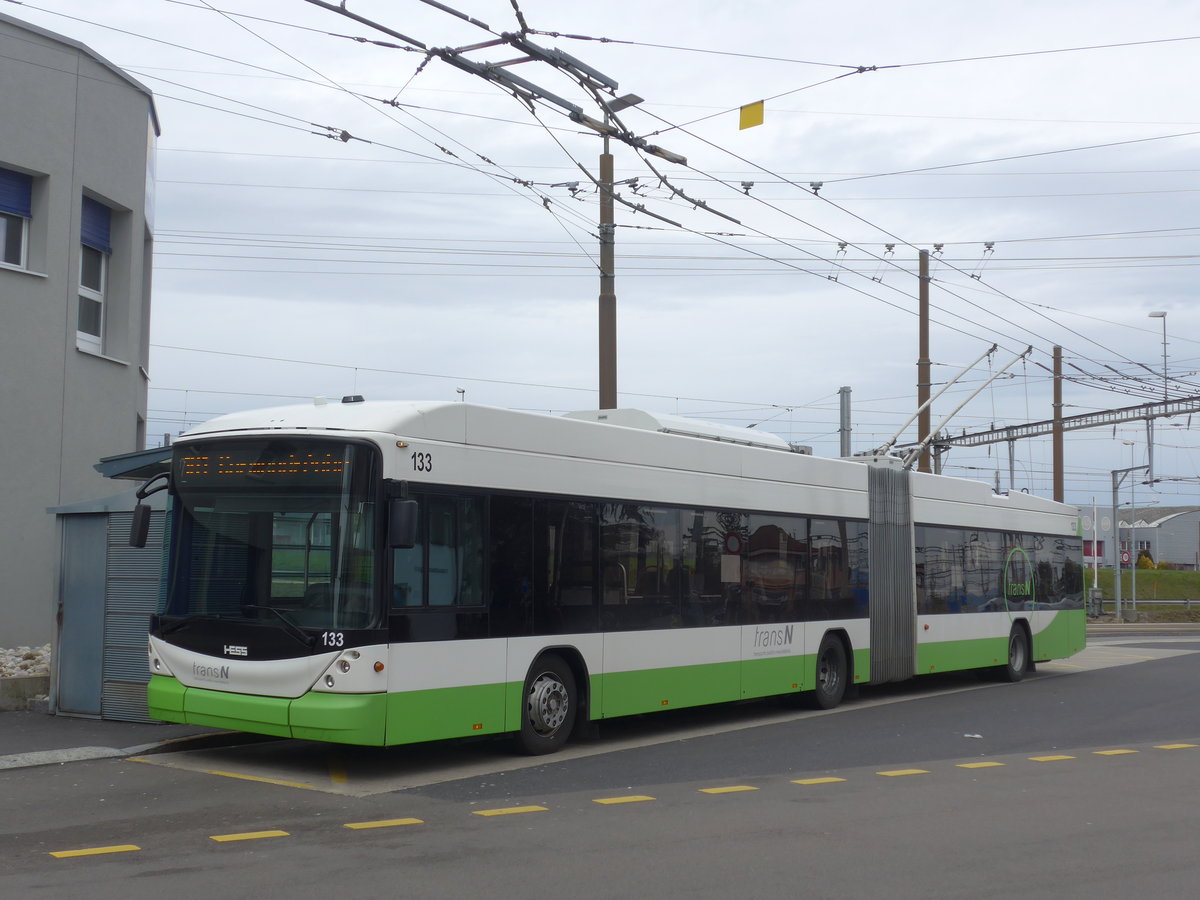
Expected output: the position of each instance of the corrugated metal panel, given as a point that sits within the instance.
(126, 664)
(131, 596)
(125, 631)
(893, 593)
(135, 596)
(125, 701)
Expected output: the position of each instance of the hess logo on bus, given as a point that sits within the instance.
(236, 650)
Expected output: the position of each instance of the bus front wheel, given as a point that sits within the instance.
(549, 705)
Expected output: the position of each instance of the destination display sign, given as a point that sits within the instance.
(262, 462)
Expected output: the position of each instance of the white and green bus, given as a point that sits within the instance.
(390, 572)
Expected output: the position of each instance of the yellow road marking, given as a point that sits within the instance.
(1174, 746)
(94, 851)
(634, 798)
(1049, 758)
(337, 771)
(246, 836)
(894, 773)
(817, 780)
(384, 823)
(510, 810)
(979, 765)
(733, 789)
(1112, 752)
(295, 784)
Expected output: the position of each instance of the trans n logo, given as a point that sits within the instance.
(1018, 580)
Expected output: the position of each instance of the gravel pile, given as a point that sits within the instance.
(24, 661)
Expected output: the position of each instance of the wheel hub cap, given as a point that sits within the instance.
(547, 704)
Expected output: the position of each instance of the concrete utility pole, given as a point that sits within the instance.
(844, 427)
(608, 275)
(923, 379)
(608, 293)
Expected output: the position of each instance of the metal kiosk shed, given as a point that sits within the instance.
(107, 591)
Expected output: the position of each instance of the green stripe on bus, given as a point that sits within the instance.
(447, 713)
(240, 712)
(1065, 635)
(440, 713)
(341, 718)
(164, 698)
(777, 675)
(1062, 637)
(630, 693)
(953, 656)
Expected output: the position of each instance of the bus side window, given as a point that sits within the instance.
(408, 569)
(445, 566)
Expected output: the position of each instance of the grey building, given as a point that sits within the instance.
(1170, 534)
(77, 138)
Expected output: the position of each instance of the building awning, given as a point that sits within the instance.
(137, 466)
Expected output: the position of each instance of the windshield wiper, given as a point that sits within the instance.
(164, 630)
(308, 640)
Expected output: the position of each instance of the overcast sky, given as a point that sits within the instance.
(442, 246)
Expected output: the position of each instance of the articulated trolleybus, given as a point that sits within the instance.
(384, 573)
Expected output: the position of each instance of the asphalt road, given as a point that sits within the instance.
(1081, 781)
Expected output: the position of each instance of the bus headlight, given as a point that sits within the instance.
(328, 681)
(344, 665)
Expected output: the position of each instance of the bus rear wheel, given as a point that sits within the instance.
(549, 706)
(832, 672)
(1018, 656)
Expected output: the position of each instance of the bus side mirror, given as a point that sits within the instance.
(402, 523)
(139, 529)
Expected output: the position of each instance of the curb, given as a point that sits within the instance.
(82, 754)
(54, 757)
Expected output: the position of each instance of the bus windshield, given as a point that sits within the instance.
(279, 531)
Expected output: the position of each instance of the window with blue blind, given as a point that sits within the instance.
(96, 225)
(95, 235)
(16, 195)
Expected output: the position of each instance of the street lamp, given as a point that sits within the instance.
(1162, 314)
